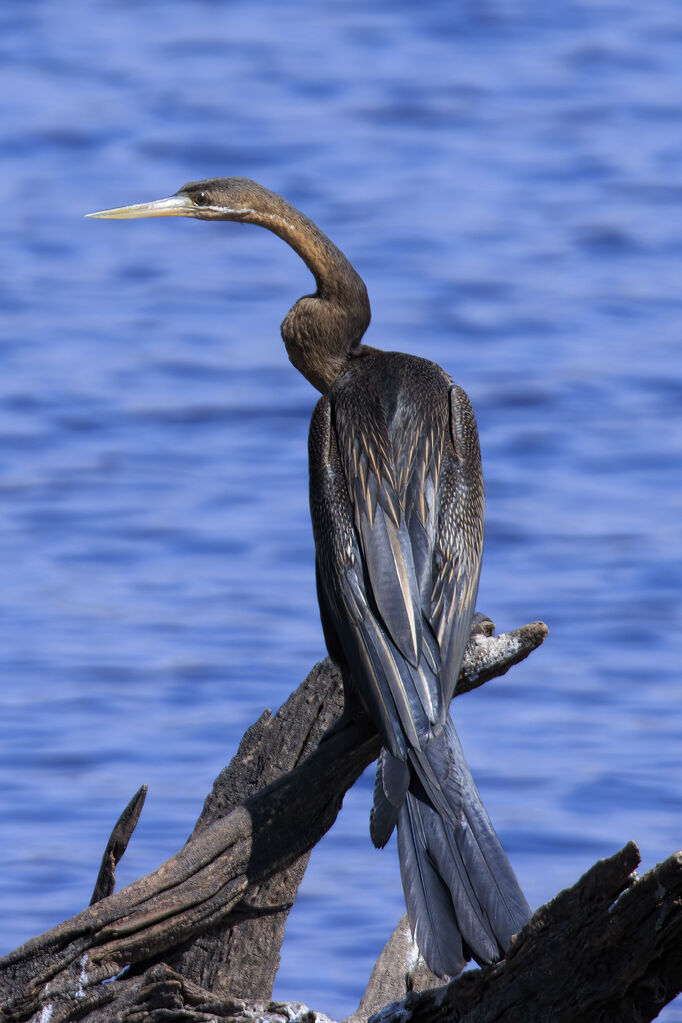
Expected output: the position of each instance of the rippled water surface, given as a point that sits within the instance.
(506, 176)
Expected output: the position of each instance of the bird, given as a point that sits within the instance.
(396, 502)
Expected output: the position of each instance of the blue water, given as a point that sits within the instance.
(506, 176)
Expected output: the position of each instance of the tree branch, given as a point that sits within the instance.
(117, 845)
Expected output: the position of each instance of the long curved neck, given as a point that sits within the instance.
(321, 332)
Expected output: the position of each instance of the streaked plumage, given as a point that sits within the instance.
(396, 498)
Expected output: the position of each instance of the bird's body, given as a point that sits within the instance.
(396, 498)
(387, 488)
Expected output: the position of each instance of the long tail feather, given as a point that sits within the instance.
(428, 900)
(452, 863)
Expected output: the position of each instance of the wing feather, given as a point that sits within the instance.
(397, 511)
(389, 561)
(458, 545)
(351, 619)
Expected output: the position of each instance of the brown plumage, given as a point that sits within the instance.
(396, 499)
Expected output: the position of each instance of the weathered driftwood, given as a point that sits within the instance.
(117, 845)
(607, 950)
(241, 959)
(245, 836)
(216, 911)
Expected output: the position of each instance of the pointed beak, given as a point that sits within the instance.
(175, 206)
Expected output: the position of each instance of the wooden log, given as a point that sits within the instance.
(240, 957)
(241, 841)
(607, 950)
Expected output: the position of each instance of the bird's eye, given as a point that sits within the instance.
(201, 199)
